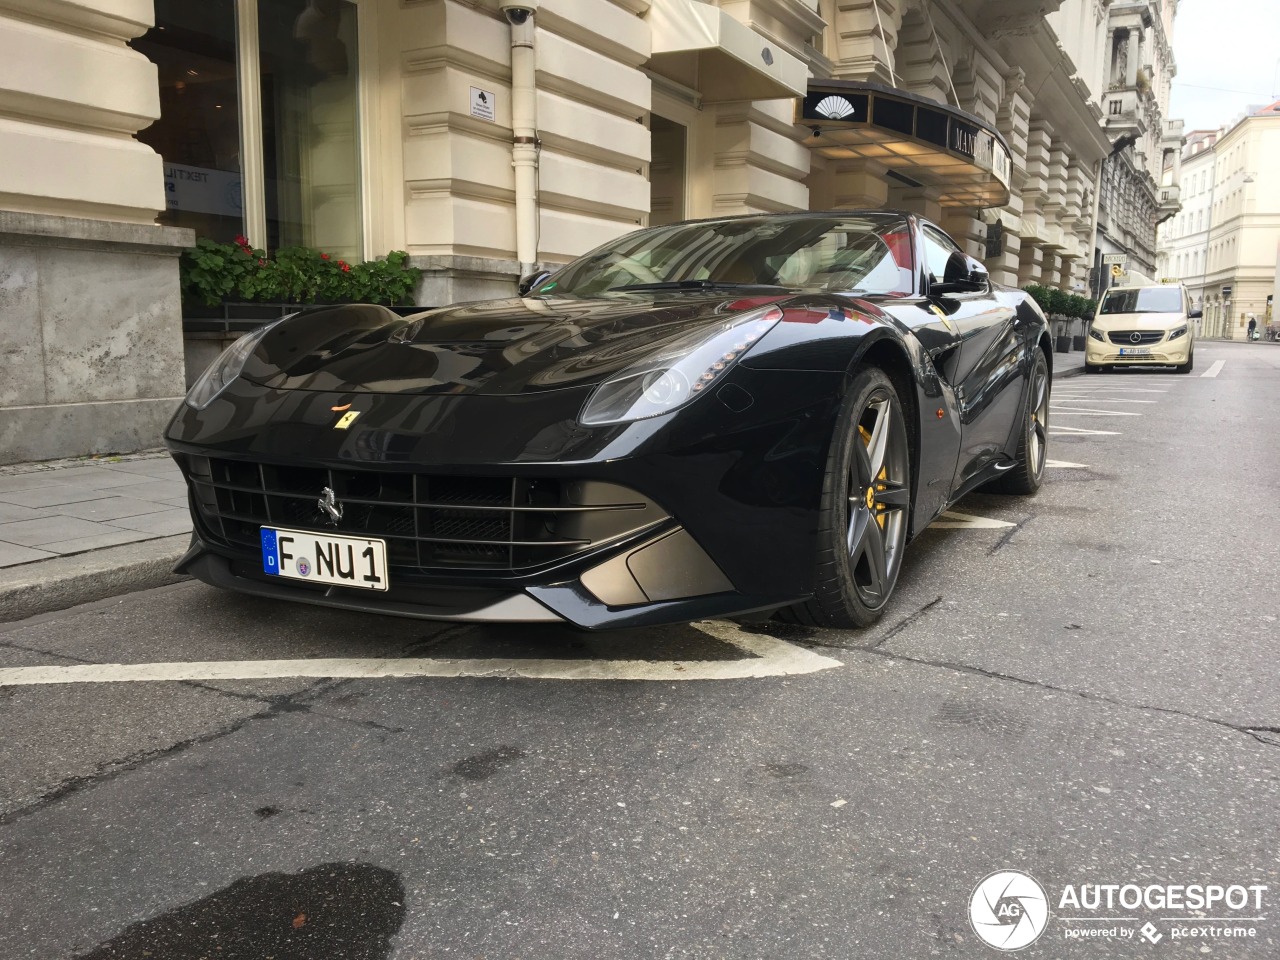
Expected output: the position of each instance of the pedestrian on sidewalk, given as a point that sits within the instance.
(1253, 326)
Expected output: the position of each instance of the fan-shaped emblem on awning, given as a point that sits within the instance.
(837, 108)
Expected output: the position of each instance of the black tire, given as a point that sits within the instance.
(1092, 367)
(1025, 479)
(862, 526)
(1186, 367)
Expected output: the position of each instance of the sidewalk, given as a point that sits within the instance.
(80, 530)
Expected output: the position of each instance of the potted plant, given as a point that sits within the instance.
(229, 288)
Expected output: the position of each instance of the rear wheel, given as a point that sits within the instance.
(866, 500)
(1026, 477)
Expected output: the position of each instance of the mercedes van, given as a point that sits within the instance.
(1142, 326)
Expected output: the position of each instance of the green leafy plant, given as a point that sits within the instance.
(212, 273)
(1040, 294)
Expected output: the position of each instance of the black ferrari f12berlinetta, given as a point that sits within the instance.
(698, 420)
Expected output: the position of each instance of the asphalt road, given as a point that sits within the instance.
(1091, 696)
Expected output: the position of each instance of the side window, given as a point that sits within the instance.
(938, 248)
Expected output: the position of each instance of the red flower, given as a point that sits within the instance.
(242, 240)
(262, 263)
(324, 256)
(346, 267)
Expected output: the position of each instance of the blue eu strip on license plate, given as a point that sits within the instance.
(270, 555)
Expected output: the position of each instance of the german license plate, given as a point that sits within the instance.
(1135, 352)
(325, 558)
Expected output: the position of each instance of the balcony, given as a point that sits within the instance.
(1124, 111)
(1170, 202)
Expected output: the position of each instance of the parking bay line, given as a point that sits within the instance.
(764, 656)
(1214, 369)
(1081, 431)
(1066, 465)
(1092, 413)
(1097, 400)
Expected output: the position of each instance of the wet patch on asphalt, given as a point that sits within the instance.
(348, 910)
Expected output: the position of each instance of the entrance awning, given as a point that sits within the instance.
(704, 48)
(921, 141)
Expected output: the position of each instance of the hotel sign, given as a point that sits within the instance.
(887, 116)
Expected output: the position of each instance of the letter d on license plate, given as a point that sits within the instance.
(325, 558)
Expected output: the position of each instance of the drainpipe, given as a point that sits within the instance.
(524, 123)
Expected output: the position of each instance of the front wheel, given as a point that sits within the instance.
(1186, 367)
(1025, 478)
(866, 500)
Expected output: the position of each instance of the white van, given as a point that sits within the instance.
(1142, 326)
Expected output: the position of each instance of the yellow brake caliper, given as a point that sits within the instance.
(881, 483)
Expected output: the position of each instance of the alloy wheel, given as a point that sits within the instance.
(878, 497)
(1038, 421)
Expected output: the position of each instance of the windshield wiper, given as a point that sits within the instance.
(699, 285)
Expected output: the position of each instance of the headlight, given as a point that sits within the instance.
(1180, 332)
(683, 369)
(226, 368)
(1097, 336)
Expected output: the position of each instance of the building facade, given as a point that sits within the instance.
(486, 145)
(1225, 245)
(1134, 197)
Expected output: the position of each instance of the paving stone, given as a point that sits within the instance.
(12, 511)
(36, 533)
(11, 555)
(22, 481)
(81, 544)
(152, 490)
(88, 476)
(159, 469)
(54, 495)
(112, 508)
(164, 524)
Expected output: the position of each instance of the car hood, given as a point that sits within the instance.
(499, 347)
(1139, 321)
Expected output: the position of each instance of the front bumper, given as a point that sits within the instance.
(1172, 353)
(721, 519)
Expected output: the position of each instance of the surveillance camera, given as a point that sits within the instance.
(518, 11)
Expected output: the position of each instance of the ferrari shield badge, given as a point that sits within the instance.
(346, 420)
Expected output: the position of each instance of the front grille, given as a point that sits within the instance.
(429, 522)
(1124, 338)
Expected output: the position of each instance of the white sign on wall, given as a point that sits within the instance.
(482, 103)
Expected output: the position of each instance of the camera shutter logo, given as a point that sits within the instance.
(1009, 910)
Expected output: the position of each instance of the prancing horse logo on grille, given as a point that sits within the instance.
(328, 504)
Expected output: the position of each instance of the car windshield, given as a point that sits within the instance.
(864, 254)
(1143, 300)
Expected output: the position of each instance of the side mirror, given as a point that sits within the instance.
(533, 280)
(1195, 314)
(963, 275)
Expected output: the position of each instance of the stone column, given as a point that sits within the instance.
(858, 183)
(1131, 68)
(921, 200)
(1030, 264)
(860, 51)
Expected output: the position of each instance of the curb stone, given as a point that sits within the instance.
(50, 585)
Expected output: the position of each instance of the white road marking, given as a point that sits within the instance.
(1066, 465)
(764, 657)
(1081, 431)
(1215, 369)
(950, 520)
(1098, 400)
(1093, 413)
